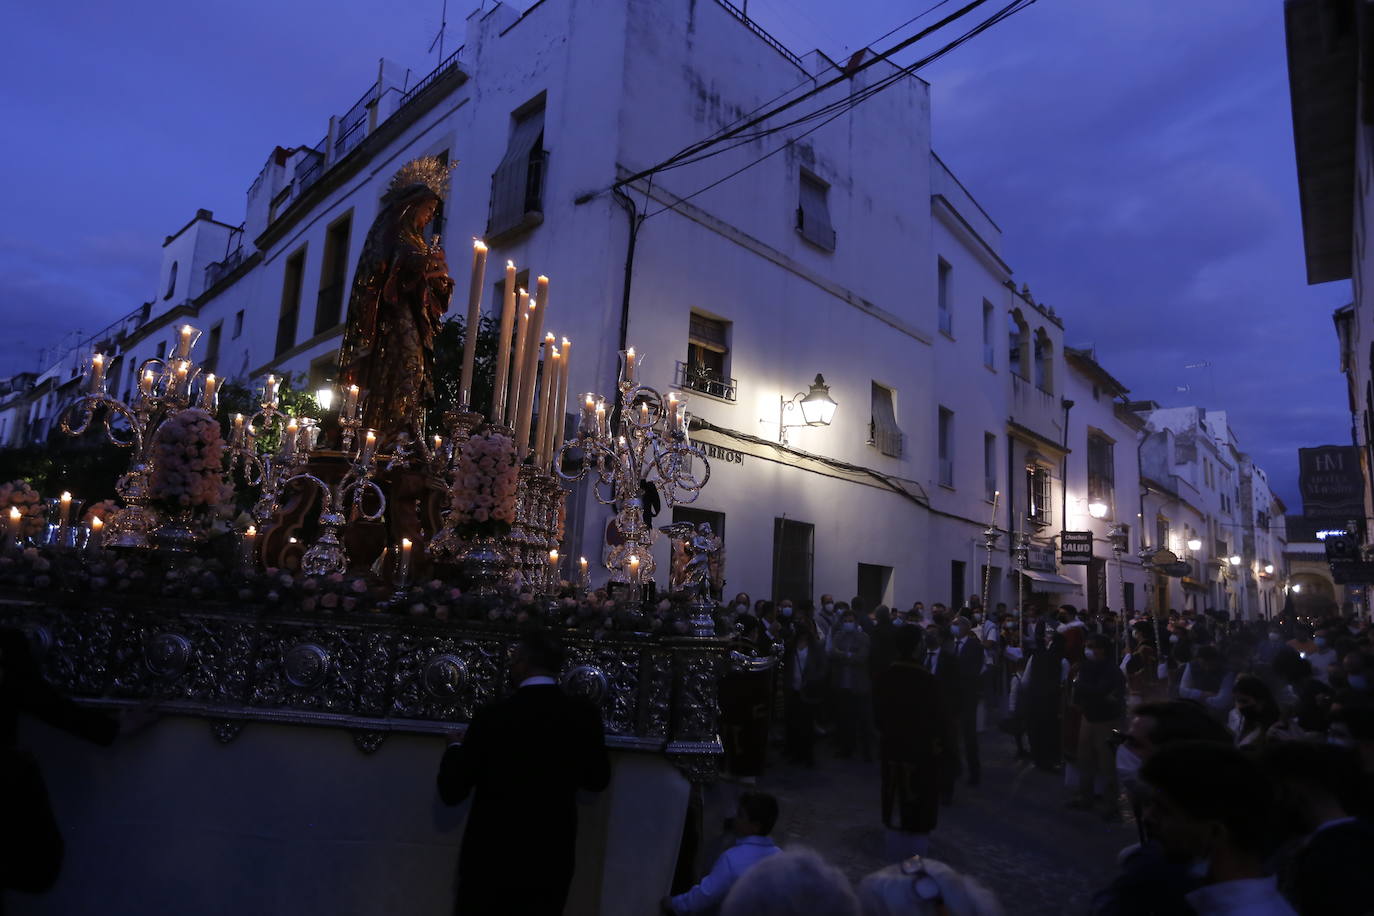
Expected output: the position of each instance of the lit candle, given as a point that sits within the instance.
(517, 359)
(64, 521)
(145, 384)
(634, 568)
(545, 401)
(269, 391)
(236, 434)
(249, 546)
(183, 386)
(350, 404)
(587, 427)
(508, 314)
(553, 558)
(438, 444)
(582, 567)
(630, 366)
(97, 535)
(66, 503)
(560, 401)
(479, 273)
(311, 435)
(673, 408)
(529, 377)
(97, 374)
(16, 520)
(186, 337)
(403, 571)
(210, 396)
(288, 439)
(369, 447)
(643, 413)
(601, 431)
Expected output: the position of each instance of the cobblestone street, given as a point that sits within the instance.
(1012, 833)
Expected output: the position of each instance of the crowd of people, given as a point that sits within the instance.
(1243, 751)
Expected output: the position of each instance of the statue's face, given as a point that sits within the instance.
(424, 212)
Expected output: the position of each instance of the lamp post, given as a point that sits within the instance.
(816, 406)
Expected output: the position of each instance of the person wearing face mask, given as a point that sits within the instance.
(826, 617)
(1099, 692)
(968, 656)
(1322, 656)
(746, 691)
(1357, 666)
(1255, 711)
(849, 648)
(1212, 807)
(1205, 680)
(805, 674)
(1041, 698)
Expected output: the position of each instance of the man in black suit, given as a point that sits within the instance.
(968, 653)
(525, 757)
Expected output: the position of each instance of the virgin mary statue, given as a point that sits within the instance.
(400, 292)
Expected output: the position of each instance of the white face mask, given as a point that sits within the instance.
(977, 618)
(741, 608)
(849, 626)
(1173, 637)
(1090, 654)
(787, 611)
(829, 608)
(897, 622)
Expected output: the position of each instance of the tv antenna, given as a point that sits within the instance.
(443, 27)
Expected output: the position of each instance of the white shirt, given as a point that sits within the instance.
(799, 668)
(1247, 897)
(1321, 662)
(1218, 703)
(735, 861)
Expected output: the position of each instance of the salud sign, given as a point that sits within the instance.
(1076, 548)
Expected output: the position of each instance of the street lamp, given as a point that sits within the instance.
(1234, 559)
(816, 406)
(1194, 544)
(1268, 569)
(325, 397)
(1098, 509)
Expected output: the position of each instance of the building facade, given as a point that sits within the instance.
(853, 253)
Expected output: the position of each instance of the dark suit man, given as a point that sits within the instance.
(524, 758)
(968, 653)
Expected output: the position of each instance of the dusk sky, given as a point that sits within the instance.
(1137, 155)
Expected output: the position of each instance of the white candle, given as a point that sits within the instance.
(210, 396)
(551, 358)
(587, 426)
(643, 414)
(16, 520)
(508, 315)
(97, 533)
(634, 568)
(269, 391)
(517, 359)
(145, 384)
(529, 378)
(369, 447)
(236, 434)
(582, 566)
(97, 374)
(438, 444)
(64, 522)
(288, 439)
(630, 366)
(673, 408)
(183, 381)
(66, 503)
(403, 573)
(350, 404)
(249, 546)
(553, 558)
(479, 273)
(560, 400)
(185, 339)
(601, 431)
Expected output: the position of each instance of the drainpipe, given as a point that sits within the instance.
(1064, 468)
(636, 221)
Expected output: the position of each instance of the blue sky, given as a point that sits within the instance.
(1137, 156)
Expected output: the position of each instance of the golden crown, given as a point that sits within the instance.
(430, 171)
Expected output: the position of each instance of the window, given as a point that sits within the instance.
(707, 368)
(238, 324)
(290, 301)
(942, 297)
(696, 516)
(813, 212)
(211, 361)
(1044, 366)
(436, 222)
(322, 369)
(945, 445)
(793, 544)
(989, 466)
(989, 330)
(1018, 332)
(957, 583)
(517, 186)
(1039, 495)
(333, 272)
(884, 433)
(161, 349)
(874, 585)
(171, 281)
(1101, 469)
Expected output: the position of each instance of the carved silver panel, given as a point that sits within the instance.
(588, 682)
(444, 677)
(306, 665)
(166, 654)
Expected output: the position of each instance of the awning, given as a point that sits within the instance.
(1051, 582)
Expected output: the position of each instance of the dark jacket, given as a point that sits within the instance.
(523, 758)
(1100, 690)
(1330, 873)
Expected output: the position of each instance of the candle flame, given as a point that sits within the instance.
(252, 531)
(510, 265)
(582, 560)
(14, 513)
(405, 543)
(566, 342)
(478, 244)
(96, 523)
(66, 497)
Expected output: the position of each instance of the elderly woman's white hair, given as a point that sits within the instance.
(892, 892)
(793, 883)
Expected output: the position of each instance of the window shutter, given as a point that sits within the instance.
(813, 215)
(707, 332)
(510, 183)
(887, 435)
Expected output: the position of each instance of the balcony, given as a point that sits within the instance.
(705, 382)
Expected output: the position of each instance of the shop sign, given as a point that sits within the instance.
(1076, 548)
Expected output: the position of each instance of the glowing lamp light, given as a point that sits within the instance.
(1194, 544)
(1097, 509)
(325, 397)
(818, 408)
(1234, 560)
(1297, 588)
(1268, 569)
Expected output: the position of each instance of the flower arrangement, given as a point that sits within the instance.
(103, 510)
(187, 457)
(20, 495)
(483, 499)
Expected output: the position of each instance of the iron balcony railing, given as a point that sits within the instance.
(704, 381)
(445, 65)
(754, 27)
